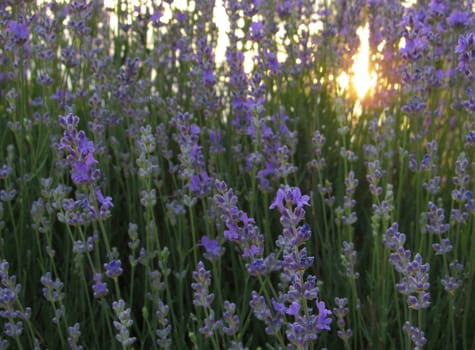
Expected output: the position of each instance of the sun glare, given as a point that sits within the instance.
(409, 3)
(360, 78)
(363, 79)
(343, 80)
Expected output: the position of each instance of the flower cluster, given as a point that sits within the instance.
(303, 322)
(74, 334)
(113, 268)
(417, 336)
(202, 279)
(10, 306)
(124, 323)
(163, 332)
(19, 34)
(278, 147)
(415, 275)
(434, 219)
(79, 151)
(340, 312)
(242, 230)
(461, 195)
(318, 141)
(52, 290)
(99, 288)
(213, 250)
(466, 50)
(192, 164)
(80, 156)
(229, 323)
(346, 214)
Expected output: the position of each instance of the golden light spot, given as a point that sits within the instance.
(357, 110)
(360, 78)
(409, 3)
(405, 123)
(402, 43)
(220, 17)
(248, 61)
(363, 79)
(343, 81)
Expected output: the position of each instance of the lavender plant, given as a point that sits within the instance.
(153, 196)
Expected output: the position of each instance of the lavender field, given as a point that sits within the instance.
(154, 195)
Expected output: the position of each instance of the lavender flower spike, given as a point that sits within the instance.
(124, 323)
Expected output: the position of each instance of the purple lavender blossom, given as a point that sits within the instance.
(19, 31)
(79, 12)
(99, 288)
(202, 298)
(192, 167)
(230, 325)
(323, 320)
(345, 214)
(9, 292)
(7, 196)
(459, 19)
(284, 9)
(210, 324)
(202, 279)
(306, 329)
(293, 309)
(470, 139)
(466, 50)
(124, 323)
(260, 309)
(241, 230)
(451, 282)
(276, 145)
(5, 171)
(340, 312)
(318, 141)
(13, 329)
(213, 250)
(443, 247)
(417, 336)
(106, 204)
(52, 290)
(291, 196)
(435, 220)
(82, 168)
(416, 281)
(349, 258)
(77, 212)
(74, 333)
(415, 275)
(113, 268)
(460, 194)
(80, 151)
(164, 331)
(306, 326)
